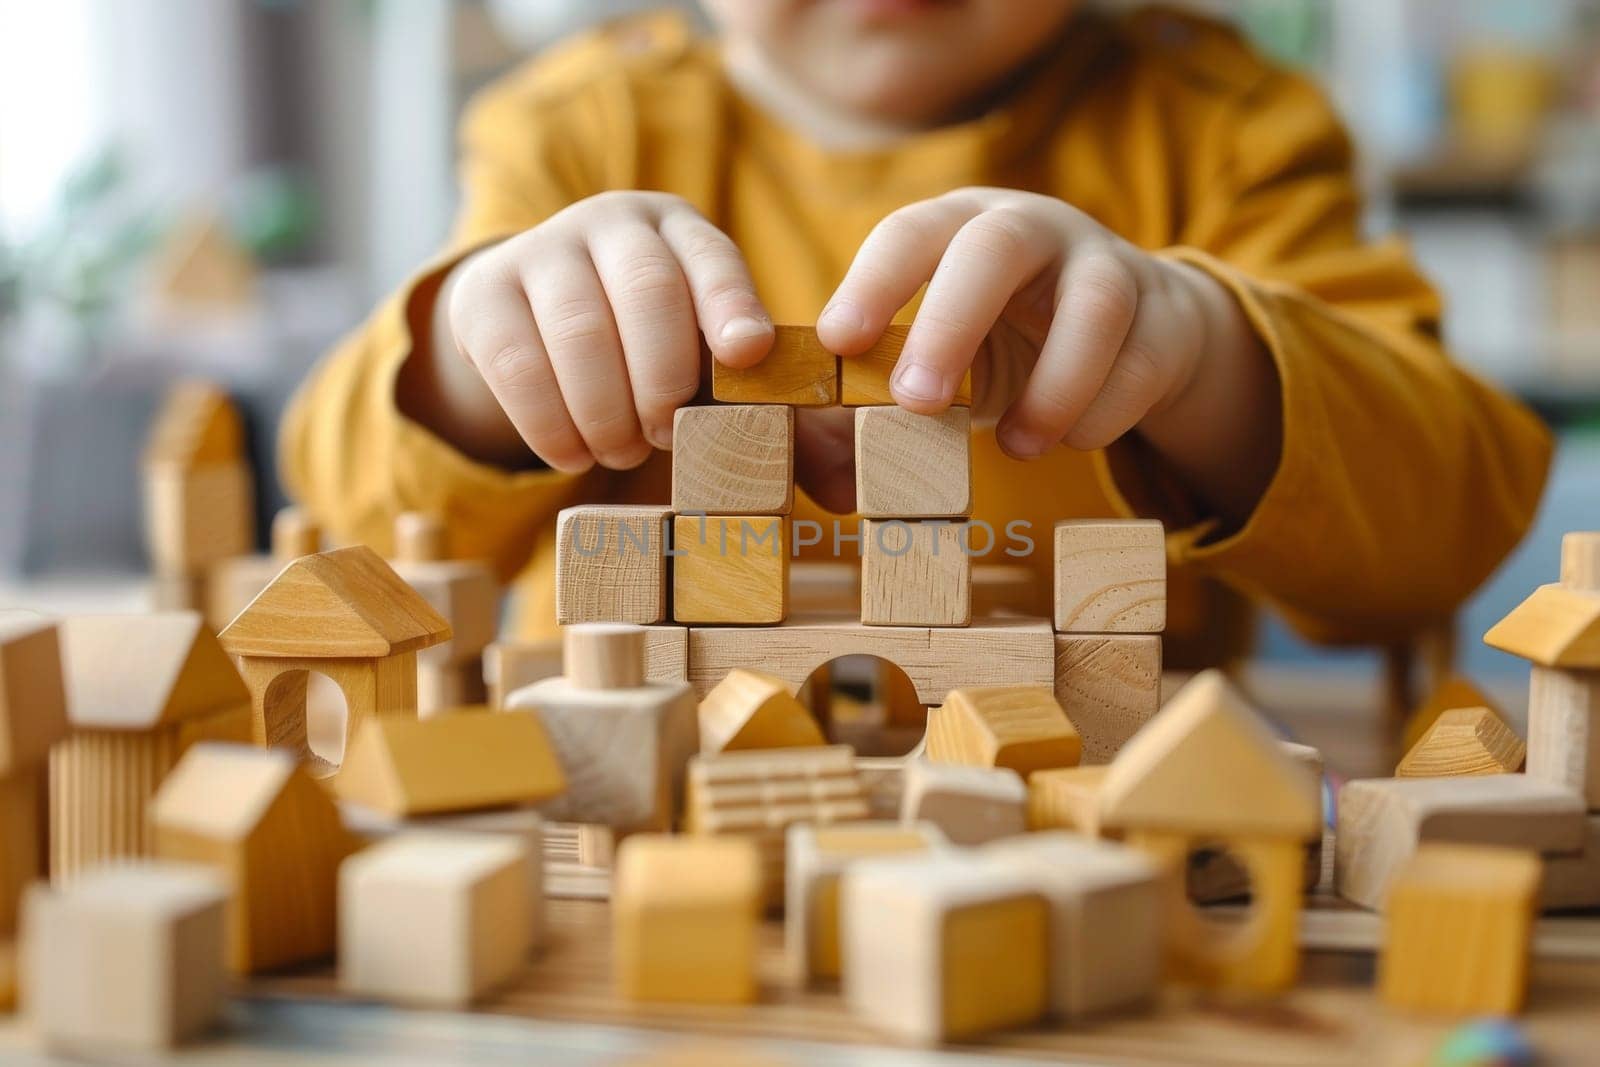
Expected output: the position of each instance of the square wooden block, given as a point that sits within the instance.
(1111, 576)
(1109, 685)
(915, 574)
(864, 379)
(429, 917)
(730, 569)
(611, 564)
(1016, 726)
(798, 372)
(733, 460)
(971, 805)
(911, 466)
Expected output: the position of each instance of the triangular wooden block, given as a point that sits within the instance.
(1555, 627)
(197, 425)
(137, 672)
(1016, 726)
(463, 761)
(1465, 741)
(1207, 765)
(749, 710)
(1455, 691)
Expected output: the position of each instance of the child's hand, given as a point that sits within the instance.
(586, 328)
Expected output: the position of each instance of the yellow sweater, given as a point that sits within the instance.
(1403, 480)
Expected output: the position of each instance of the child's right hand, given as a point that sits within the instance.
(586, 328)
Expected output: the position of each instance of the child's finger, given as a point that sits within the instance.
(1138, 380)
(655, 322)
(987, 262)
(896, 259)
(737, 328)
(580, 336)
(1099, 300)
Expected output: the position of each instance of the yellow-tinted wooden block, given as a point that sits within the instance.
(1458, 925)
(1111, 576)
(1464, 741)
(1067, 798)
(730, 569)
(915, 574)
(798, 372)
(748, 709)
(684, 914)
(733, 459)
(1453, 692)
(1020, 727)
(979, 995)
(864, 379)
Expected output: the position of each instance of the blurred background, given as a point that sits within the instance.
(210, 188)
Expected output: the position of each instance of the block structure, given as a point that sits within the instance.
(864, 378)
(1109, 685)
(911, 466)
(685, 912)
(1111, 576)
(434, 918)
(797, 371)
(128, 959)
(1458, 929)
(915, 573)
(749, 709)
(466, 594)
(1020, 727)
(611, 564)
(733, 460)
(970, 805)
(1464, 741)
(33, 717)
(730, 569)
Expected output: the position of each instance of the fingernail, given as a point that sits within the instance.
(742, 329)
(842, 316)
(660, 438)
(1021, 443)
(918, 381)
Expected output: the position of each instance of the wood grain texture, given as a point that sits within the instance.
(278, 688)
(911, 466)
(730, 569)
(914, 574)
(1464, 741)
(798, 372)
(970, 805)
(733, 459)
(1453, 691)
(603, 655)
(611, 564)
(142, 672)
(1020, 727)
(1580, 561)
(864, 378)
(1110, 576)
(1555, 627)
(1109, 685)
(33, 701)
(1457, 931)
(1564, 730)
(1067, 798)
(751, 710)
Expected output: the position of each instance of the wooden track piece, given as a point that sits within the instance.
(730, 569)
(798, 372)
(1020, 727)
(911, 466)
(1111, 576)
(733, 459)
(749, 709)
(915, 574)
(1109, 685)
(971, 805)
(611, 564)
(864, 378)
(1464, 741)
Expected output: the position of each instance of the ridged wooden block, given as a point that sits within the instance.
(1111, 576)
(733, 460)
(611, 564)
(1464, 741)
(914, 574)
(798, 372)
(911, 466)
(101, 782)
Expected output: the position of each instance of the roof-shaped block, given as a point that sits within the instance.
(197, 424)
(1558, 626)
(137, 672)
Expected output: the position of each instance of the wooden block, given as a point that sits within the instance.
(883, 782)
(1067, 798)
(623, 750)
(1572, 880)
(443, 689)
(33, 705)
(730, 569)
(232, 583)
(915, 574)
(748, 709)
(128, 959)
(971, 805)
(466, 594)
(1383, 820)
(434, 918)
(1109, 685)
(22, 829)
(197, 424)
(242, 811)
(1580, 561)
(798, 372)
(1564, 730)
(510, 665)
(1107, 908)
(817, 857)
(1464, 741)
(1020, 727)
(611, 564)
(864, 378)
(179, 592)
(911, 466)
(1455, 691)
(1458, 930)
(1214, 874)
(294, 534)
(937, 947)
(604, 655)
(197, 516)
(460, 762)
(8, 975)
(685, 912)
(420, 537)
(1111, 576)
(1557, 626)
(733, 460)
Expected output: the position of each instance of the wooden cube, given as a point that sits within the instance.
(749, 709)
(797, 372)
(937, 947)
(684, 913)
(1016, 726)
(971, 805)
(1067, 798)
(1111, 576)
(433, 917)
(911, 466)
(864, 378)
(1109, 685)
(733, 460)
(915, 574)
(730, 569)
(1457, 931)
(129, 957)
(817, 856)
(611, 564)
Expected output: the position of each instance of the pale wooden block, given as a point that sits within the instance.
(1580, 561)
(798, 372)
(466, 594)
(1464, 741)
(864, 378)
(937, 947)
(733, 460)
(685, 913)
(294, 534)
(1107, 919)
(623, 750)
(129, 958)
(971, 805)
(1572, 880)
(433, 917)
(1020, 727)
(1067, 798)
(611, 564)
(1111, 576)
(1383, 820)
(451, 687)
(914, 574)
(604, 655)
(1458, 930)
(1564, 730)
(730, 569)
(749, 709)
(911, 466)
(196, 516)
(816, 858)
(33, 703)
(1109, 685)
(419, 537)
(883, 781)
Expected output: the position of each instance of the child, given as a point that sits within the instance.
(1145, 236)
